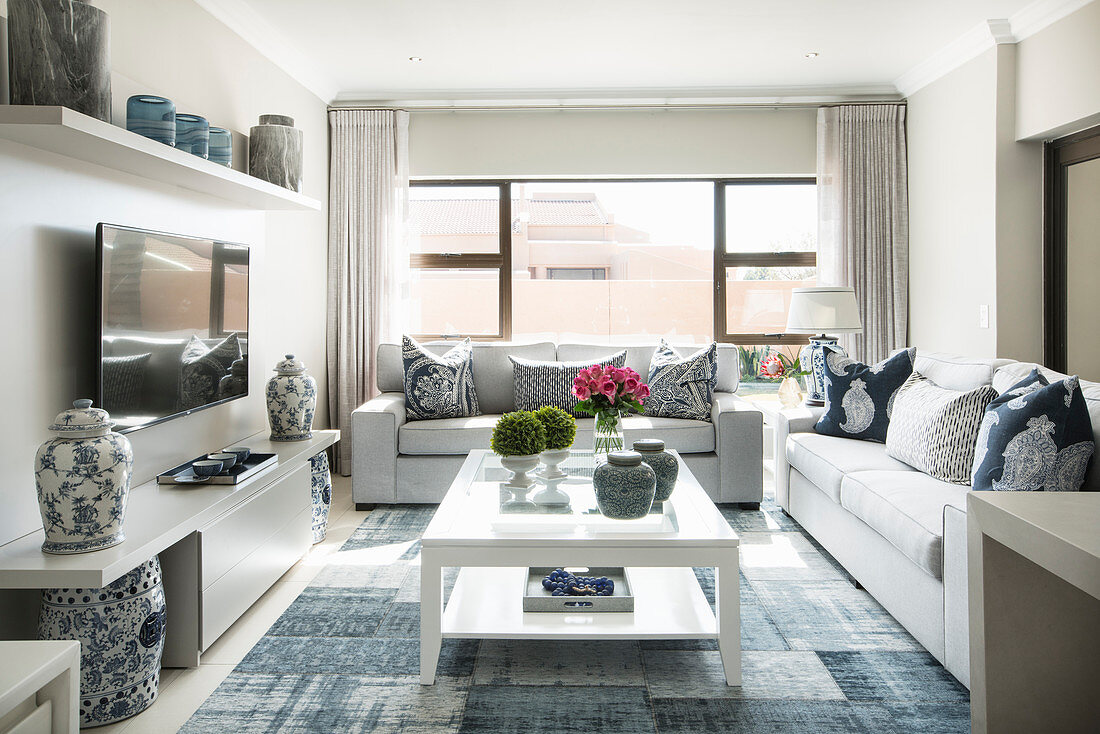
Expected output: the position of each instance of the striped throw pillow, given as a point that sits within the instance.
(551, 383)
(935, 430)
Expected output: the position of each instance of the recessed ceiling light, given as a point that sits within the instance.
(812, 55)
(415, 59)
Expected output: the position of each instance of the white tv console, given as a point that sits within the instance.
(221, 546)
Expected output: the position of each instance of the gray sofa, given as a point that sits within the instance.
(901, 534)
(394, 460)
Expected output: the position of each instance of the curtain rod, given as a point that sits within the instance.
(607, 107)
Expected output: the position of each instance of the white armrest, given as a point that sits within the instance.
(788, 421)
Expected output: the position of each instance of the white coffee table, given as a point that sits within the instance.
(493, 545)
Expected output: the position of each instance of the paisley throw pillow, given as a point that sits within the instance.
(1036, 436)
(203, 368)
(681, 387)
(438, 386)
(934, 429)
(859, 399)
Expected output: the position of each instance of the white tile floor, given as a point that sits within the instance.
(182, 690)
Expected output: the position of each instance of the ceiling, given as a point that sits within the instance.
(360, 49)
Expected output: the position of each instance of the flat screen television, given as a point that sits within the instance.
(173, 324)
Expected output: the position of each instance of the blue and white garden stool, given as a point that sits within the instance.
(120, 628)
(321, 485)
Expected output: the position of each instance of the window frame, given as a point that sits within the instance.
(723, 260)
(502, 259)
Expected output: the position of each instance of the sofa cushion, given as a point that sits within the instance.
(681, 387)
(1010, 374)
(824, 460)
(438, 386)
(905, 508)
(462, 435)
(638, 357)
(957, 372)
(859, 397)
(934, 429)
(1035, 436)
(492, 369)
(539, 383)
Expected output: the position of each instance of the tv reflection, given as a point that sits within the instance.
(175, 324)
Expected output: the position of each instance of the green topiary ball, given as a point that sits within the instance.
(561, 428)
(518, 434)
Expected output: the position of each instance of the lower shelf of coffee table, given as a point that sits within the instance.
(487, 603)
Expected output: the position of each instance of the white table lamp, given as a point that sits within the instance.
(820, 311)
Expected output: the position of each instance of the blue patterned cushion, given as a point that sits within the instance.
(681, 387)
(1035, 436)
(860, 398)
(438, 387)
(551, 383)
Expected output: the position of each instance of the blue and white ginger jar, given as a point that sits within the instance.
(663, 464)
(83, 479)
(120, 628)
(321, 491)
(291, 401)
(624, 486)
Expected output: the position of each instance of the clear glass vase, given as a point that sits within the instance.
(607, 434)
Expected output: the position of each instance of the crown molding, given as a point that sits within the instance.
(1026, 22)
(240, 18)
(1038, 15)
(698, 97)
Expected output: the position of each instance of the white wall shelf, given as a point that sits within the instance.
(67, 132)
(157, 516)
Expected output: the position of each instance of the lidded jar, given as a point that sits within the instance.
(664, 465)
(291, 401)
(83, 479)
(624, 486)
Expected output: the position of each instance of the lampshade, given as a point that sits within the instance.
(823, 310)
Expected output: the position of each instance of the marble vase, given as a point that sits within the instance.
(120, 628)
(59, 53)
(275, 152)
(625, 486)
(321, 495)
(291, 401)
(83, 479)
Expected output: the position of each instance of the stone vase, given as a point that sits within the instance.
(552, 459)
(519, 466)
(275, 152)
(120, 628)
(291, 401)
(664, 466)
(59, 53)
(321, 493)
(83, 479)
(625, 486)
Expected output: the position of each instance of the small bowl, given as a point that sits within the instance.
(227, 460)
(241, 452)
(206, 467)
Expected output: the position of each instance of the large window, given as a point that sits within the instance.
(610, 260)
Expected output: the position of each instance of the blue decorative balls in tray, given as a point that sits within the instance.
(584, 590)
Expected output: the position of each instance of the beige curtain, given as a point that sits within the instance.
(367, 257)
(863, 214)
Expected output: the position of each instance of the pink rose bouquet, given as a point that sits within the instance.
(603, 389)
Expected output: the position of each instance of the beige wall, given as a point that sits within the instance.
(612, 142)
(1059, 91)
(48, 213)
(1082, 266)
(952, 203)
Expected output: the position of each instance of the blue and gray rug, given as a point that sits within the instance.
(819, 656)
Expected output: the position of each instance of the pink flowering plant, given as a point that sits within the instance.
(607, 392)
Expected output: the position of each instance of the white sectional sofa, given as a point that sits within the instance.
(900, 534)
(394, 460)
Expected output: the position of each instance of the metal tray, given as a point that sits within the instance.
(538, 599)
(253, 465)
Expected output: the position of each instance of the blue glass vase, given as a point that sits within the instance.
(193, 134)
(221, 146)
(152, 117)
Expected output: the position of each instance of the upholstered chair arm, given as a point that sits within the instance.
(739, 444)
(788, 421)
(374, 429)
